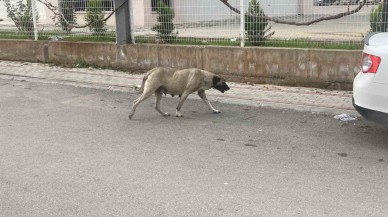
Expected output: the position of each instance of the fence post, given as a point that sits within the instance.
(242, 23)
(384, 16)
(33, 8)
(123, 23)
(131, 22)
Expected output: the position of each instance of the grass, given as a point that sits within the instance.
(315, 44)
(93, 39)
(19, 35)
(111, 37)
(294, 43)
(106, 37)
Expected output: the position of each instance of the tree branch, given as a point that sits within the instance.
(337, 16)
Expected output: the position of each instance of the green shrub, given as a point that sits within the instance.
(81, 64)
(376, 19)
(257, 28)
(165, 26)
(95, 16)
(67, 9)
(22, 16)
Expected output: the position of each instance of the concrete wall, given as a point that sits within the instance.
(283, 66)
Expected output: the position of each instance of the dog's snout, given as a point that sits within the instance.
(226, 87)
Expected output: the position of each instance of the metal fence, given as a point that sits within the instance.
(262, 22)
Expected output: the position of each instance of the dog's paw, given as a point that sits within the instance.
(178, 114)
(216, 111)
(130, 117)
(166, 114)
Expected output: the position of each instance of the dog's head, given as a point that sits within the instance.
(220, 84)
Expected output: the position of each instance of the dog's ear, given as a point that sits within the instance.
(216, 79)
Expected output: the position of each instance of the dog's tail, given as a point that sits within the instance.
(139, 89)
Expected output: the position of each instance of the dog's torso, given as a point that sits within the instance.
(175, 82)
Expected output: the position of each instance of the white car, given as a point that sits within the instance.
(370, 87)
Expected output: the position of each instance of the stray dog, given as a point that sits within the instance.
(183, 82)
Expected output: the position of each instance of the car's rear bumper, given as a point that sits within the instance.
(372, 115)
(370, 99)
(369, 94)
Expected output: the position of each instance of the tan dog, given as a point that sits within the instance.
(178, 82)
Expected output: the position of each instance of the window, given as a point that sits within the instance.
(81, 5)
(154, 3)
(108, 5)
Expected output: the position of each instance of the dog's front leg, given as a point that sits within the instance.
(202, 94)
(181, 101)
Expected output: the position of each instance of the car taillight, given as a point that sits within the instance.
(370, 63)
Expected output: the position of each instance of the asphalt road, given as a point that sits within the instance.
(68, 151)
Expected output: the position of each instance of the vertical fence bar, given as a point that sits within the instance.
(300, 7)
(131, 22)
(33, 8)
(384, 14)
(242, 23)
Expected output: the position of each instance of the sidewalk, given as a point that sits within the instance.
(296, 98)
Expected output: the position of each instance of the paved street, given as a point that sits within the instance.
(68, 150)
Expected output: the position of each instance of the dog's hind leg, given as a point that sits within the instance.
(202, 94)
(137, 101)
(158, 95)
